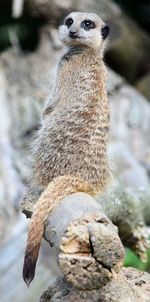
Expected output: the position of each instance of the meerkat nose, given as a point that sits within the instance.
(105, 31)
(73, 33)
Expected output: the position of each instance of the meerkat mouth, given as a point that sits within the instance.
(77, 37)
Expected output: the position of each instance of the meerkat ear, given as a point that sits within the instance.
(105, 31)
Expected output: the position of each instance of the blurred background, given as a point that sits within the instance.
(29, 51)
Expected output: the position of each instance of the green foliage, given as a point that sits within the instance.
(20, 31)
(132, 260)
(26, 31)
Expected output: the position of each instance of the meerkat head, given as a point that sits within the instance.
(85, 29)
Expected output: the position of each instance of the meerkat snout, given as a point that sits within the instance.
(84, 29)
(73, 33)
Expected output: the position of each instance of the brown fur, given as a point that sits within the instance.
(70, 151)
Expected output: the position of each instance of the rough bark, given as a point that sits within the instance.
(128, 209)
(88, 250)
(88, 247)
(128, 285)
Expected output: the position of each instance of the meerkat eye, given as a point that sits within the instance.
(88, 24)
(69, 22)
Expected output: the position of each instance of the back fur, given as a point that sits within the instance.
(70, 153)
(73, 137)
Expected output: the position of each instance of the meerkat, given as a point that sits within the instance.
(70, 152)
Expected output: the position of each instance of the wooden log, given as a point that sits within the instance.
(88, 247)
(128, 285)
(128, 209)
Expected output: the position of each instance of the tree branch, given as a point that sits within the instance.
(128, 285)
(87, 243)
(125, 208)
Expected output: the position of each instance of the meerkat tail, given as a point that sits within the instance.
(59, 188)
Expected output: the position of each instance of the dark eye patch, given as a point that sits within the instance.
(69, 22)
(88, 24)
